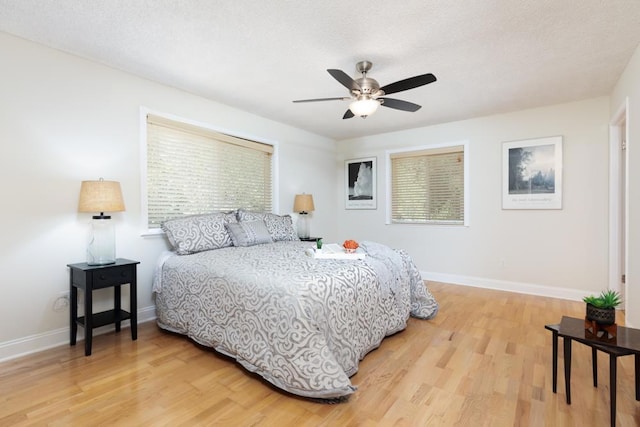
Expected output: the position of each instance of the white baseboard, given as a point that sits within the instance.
(38, 342)
(505, 285)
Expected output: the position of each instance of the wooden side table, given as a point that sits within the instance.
(91, 277)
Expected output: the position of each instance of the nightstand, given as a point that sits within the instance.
(91, 277)
(310, 239)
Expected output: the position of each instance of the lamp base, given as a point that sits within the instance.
(303, 225)
(102, 244)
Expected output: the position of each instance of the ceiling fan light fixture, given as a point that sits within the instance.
(364, 107)
(366, 95)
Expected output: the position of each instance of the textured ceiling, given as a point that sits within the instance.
(489, 56)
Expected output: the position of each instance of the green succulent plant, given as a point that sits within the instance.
(606, 299)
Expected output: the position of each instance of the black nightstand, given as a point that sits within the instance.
(310, 239)
(91, 277)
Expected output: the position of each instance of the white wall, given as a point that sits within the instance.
(628, 86)
(550, 252)
(64, 119)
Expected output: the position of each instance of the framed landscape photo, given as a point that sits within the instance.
(532, 174)
(360, 177)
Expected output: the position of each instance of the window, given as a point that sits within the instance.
(428, 185)
(193, 170)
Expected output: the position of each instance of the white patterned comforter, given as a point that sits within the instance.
(301, 323)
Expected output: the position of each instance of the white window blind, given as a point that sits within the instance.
(193, 170)
(428, 186)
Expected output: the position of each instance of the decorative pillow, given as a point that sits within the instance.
(280, 226)
(197, 233)
(249, 233)
(244, 215)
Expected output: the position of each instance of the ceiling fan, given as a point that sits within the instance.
(367, 95)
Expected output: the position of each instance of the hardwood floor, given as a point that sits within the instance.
(485, 360)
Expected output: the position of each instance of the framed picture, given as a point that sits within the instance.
(360, 177)
(532, 174)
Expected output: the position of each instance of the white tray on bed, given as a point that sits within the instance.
(334, 251)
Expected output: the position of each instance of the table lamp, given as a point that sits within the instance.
(303, 204)
(101, 196)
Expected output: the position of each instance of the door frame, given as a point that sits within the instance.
(616, 132)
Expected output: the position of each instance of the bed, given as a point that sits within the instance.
(301, 323)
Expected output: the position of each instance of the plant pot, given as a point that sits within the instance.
(602, 316)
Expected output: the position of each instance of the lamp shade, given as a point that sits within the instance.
(100, 196)
(303, 203)
(364, 107)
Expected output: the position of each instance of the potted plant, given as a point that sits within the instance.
(602, 308)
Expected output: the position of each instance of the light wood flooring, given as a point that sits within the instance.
(485, 360)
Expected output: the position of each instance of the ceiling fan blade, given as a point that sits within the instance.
(399, 104)
(344, 79)
(341, 98)
(410, 83)
(348, 114)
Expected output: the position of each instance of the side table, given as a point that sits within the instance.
(626, 343)
(310, 239)
(91, 277)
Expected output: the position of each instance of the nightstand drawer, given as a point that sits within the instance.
(112, 276)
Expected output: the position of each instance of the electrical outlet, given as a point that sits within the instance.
(61, 303)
